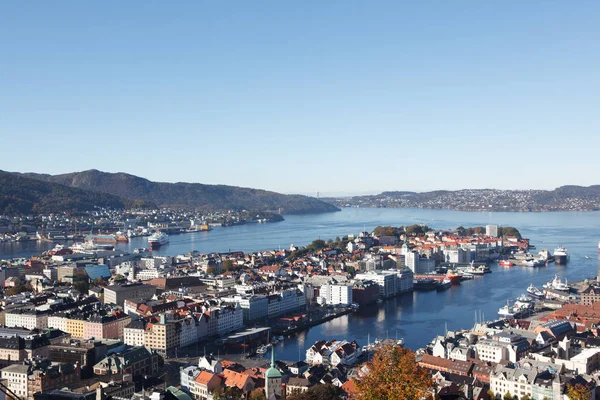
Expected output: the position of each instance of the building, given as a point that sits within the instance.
(29, 319)
(491, 230)
(205, 384)
(590, 295)
(335, 294)
(16, 377)
(117, 294)
(254, 307)
(136, 361)
(162, 336)
(273, 388)
(365, 292)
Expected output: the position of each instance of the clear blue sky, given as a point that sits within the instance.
(299, 96)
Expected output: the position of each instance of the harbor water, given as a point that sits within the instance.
(416, 317)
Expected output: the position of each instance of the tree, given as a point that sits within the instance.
(578, 392)
(351, 271)
(227, 265)
(257, 394)
(119, 277)
(318, 392)
(393, 373)
(81, 286)
(99, 282)
(525, 397)
(508, 396)
(491, 394)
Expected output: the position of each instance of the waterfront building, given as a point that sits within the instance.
(335, 294)
(365, 292)
(590, 295)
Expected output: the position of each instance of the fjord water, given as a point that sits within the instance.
(416, 317)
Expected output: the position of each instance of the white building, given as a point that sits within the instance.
(16, 376)
(58, 322)
(31, 319)
(491, 230)
(335, 294)
(133, 334)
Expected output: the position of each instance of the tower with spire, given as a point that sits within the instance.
(272, 380)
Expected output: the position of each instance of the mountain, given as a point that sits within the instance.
(23, 195)
(188, 195)
(564, 198)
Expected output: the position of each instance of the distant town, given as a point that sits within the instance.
(99, 323)
(566, 198)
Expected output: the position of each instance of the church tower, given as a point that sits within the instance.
(272, 380)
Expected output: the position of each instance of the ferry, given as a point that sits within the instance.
(561, 256)
(158, 239)
(535, 292)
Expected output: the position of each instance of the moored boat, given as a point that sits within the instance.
(445, 284)
(506, 263)
(535, 292)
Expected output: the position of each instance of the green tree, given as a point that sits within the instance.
(508, 396)
(99, 282)
(119, 277)
(317, 244)
(525, 397)
(81, 286)
(351, 271)
(491, 394)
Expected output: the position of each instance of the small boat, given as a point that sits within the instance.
(261, 349)
(587, 256)
(535, 292)
(506, 263)
(445, 284)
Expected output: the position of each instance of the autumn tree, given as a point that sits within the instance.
(393, 373)
(508, 396)
(318, 392)
(257, 394)
(578, 392)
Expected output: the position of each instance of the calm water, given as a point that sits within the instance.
(416, 317)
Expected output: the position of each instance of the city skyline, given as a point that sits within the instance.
(341, 97)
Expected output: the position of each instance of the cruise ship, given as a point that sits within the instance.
(158, 239)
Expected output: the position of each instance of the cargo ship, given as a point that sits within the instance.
(158, 239)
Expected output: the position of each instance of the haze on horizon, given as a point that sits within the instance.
(340, 97)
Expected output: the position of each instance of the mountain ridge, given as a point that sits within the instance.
(186, 195)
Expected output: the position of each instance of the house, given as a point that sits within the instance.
(206, 383)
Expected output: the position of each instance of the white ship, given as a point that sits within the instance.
(557, 284)
(535, 292)
(561, 256)
(158, 239)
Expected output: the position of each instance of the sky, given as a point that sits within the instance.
(339, 97)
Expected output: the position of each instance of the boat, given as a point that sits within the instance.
(509, 312)
(262, 349)
(60, 250)
(506, 263)
(561, 256)
(558, 284)
(90, 247)
(524, 303)
(535, 292)
(158, 239)
(445, 284)
(465, 276)
(587, 257)
(425, 284)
